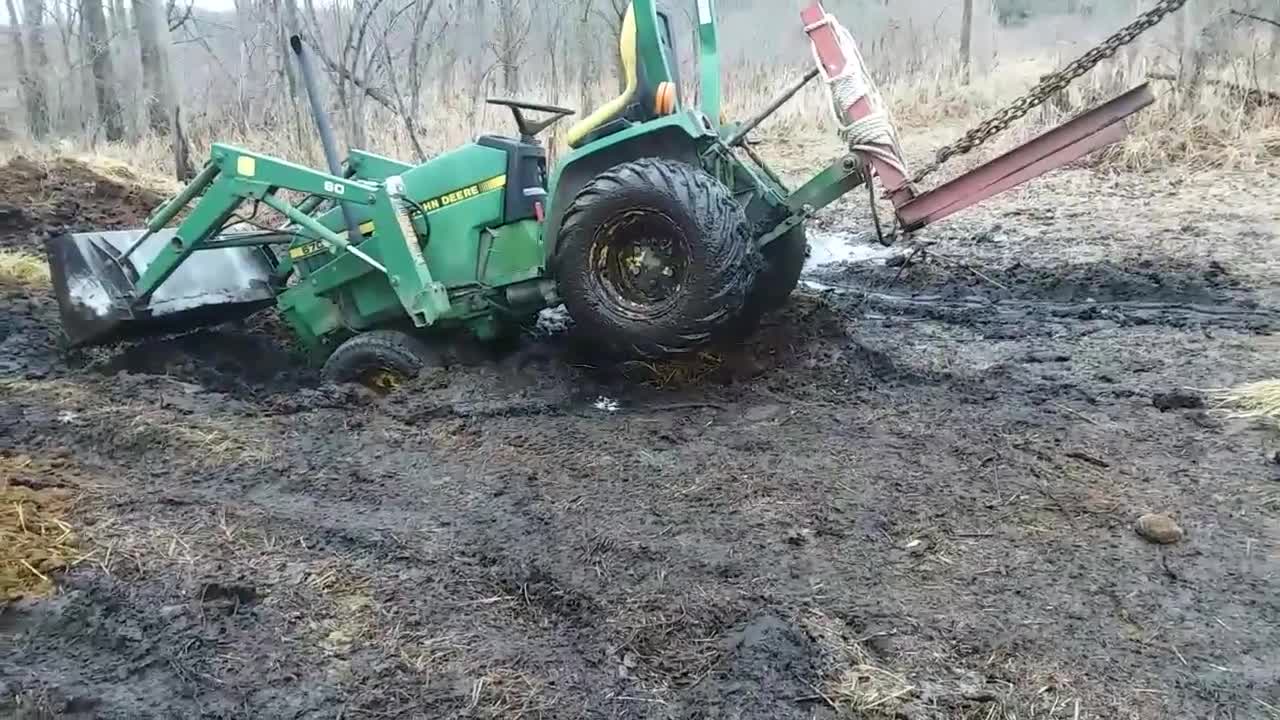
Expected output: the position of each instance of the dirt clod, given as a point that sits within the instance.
(1177, 400)
(1159, 528)
(39, 200)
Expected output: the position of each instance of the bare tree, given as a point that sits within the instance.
(20, 56)
(480, 70)
(513, 34)
(33, 84)
(419, 52)
(97, 48)
(153, 45)
(966, 39)
(245, 28)
(612, 13)
(553, 48)
(586, 57)
(117, 20)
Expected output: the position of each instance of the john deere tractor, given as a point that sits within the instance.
(660, 230)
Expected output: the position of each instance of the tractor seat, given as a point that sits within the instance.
(610, 117)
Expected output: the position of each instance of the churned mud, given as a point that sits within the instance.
(912, 494)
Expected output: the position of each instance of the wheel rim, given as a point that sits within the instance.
(382, 380)
(639, 263)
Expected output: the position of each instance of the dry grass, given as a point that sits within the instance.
(35, 542)
(675, 373)
(1257, 400)
(865, 688)
(855, 684)
(23, 269)
(1204, 126)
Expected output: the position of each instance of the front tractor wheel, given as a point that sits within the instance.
(381, 360)
(655, 260)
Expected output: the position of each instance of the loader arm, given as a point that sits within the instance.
(112, 285)
(232, 178)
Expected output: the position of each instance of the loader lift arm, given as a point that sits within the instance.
(233, 177)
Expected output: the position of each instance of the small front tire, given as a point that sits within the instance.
(381, 360)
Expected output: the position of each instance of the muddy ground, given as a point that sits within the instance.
(912, 495)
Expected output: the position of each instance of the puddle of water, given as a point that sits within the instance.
(824, 287)
(829, 248)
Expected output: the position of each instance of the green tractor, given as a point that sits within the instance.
(661, 231)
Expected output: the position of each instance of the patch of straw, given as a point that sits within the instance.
(1256, 401)
(854, 683)
(35, 542)
(675, 373)
(867, 688)
(23, 269)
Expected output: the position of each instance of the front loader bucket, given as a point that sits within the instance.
(98, 299)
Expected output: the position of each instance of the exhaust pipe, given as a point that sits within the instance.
(324, 128)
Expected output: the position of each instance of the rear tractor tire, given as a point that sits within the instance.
(655, 260)
(381, 360)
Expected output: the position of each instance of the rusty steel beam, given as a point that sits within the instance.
(1064, 144)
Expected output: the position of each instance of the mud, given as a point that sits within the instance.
(910, 495)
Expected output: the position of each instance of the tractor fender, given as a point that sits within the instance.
(677, 137)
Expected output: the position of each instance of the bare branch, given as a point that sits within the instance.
(375, 94)
(178, 17)
(405, 116)
(1260, 19)
(1252, 96)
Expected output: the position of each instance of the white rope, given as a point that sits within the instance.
(875, 134)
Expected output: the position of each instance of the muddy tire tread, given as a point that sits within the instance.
(725, 261)
(397, 350)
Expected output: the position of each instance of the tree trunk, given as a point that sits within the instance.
(286, 13)
(244, 28)
(553, 57)
(20, 59)
(479, 68)
(509, 59)
(119, 22)
(153, 44)
(182, 165)
(292, 23)
(1193, 55)
(586, 64)
(37, 99)
(966, 39)
(104, 87)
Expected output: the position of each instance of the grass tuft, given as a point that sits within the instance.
(1257, 400)
(23, 269)
(35, 542)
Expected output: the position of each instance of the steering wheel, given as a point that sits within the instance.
(529, 129)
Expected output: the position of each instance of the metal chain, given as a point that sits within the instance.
(1049, 86)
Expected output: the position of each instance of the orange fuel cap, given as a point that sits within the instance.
(665, 99)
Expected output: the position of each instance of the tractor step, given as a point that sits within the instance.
(99, 304)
